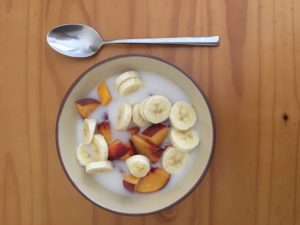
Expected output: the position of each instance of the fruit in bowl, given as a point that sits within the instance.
(138, 120)
(144, 149)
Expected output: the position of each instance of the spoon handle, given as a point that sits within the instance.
(203, 41)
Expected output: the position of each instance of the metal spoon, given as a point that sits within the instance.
(78, 40)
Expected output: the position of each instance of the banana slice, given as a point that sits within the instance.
(130, 86)
(184, 140)
(183, 115)
(157, 109)
(138, 165)
(82, 155)
(124, 77)
(100, 166)
(137, 118)
(100, 147)
(124, 115)
(173, 159)
(89, 126)
(142, 108)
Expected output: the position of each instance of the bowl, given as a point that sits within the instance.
(140, 204)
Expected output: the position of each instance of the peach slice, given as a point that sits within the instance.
(156, 133)
(117, 149)
(86, 106)
(133, 130)
(104, 94)
(146, 148)
(155, 180)
(129, 153)
(105, 129)
(130, 182)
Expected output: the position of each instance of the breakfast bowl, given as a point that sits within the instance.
(109, 190)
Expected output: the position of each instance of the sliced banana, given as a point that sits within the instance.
(183, 115)
(138, 165)
(124, 115)
(173, 159)
(137, 118)
(100, 148)
(130, 86)
(184, 140)
(124, 77)
(100, 166)
(157, 109)
(89, 126)
(142, 108)
(83, 155)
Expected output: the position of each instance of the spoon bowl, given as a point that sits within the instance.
(74, 40)
(80, 41)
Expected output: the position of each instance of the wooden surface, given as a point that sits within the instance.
(252, 82)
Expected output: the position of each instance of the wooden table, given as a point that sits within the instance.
(252, 82)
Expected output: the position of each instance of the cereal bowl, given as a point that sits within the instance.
(102, 190)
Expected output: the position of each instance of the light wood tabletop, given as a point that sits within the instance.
(252, 81)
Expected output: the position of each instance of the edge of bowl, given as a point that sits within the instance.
(63, 103)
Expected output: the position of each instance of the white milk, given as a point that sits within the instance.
(153, 85)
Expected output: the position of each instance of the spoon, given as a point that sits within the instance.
(80, 41)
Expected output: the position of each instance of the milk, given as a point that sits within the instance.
(153, 85)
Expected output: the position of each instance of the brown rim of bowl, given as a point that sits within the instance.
(125, 56)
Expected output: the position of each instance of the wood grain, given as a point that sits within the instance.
(252, 81)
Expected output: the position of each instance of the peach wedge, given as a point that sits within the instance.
(129, 153)
(130, 182)
(146, 148)
(156, 133)
(155, 180)
(105, 129)
(104, 94)
(86, 106)
(117, 149)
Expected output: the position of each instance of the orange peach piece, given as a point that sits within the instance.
(86, 106)
(104, 94)
(116, 150)
(155, 180)
(156, 133)
(105, 129)
(130, 182)
(129, 153)
(146, 148)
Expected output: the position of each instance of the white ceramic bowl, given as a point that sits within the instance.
(66, 133)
